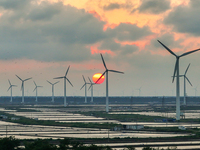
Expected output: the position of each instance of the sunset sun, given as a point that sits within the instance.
(96, 76)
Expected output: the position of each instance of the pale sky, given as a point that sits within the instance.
(41, 38)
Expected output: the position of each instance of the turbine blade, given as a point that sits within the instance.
(167, 48)
(188, 80)
(100, 77)
(84, 79)
(49, 82)
(59, 77)
(22, 85)
(187, 69)
(69, 82)
(56, 82)
(90, 87)
(187, 53)
(19, 77)
(35, 88)
(9, 88)
(27, 79)
(9, 81)
(67, 71)
(90, 80)
(103, 61)
(83, 86)
(35, 83)
(116, 71)
(175, 69)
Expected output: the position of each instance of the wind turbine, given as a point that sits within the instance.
(22, 86)
(176, 73)
(10, 88)
(52, 90)
(35, 89)
(65, 78)
(185, 78)
(106, 72)
(139, 90)
(195, 89)
(85, 85)
(91, 86)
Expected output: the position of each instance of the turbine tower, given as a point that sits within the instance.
(65, 78)
(85, 85)
(91, 86)
(22, 86)
(52, 90)
(176, 73)
(10, 88)
(35, 89)
(106, 72)
(185, 78)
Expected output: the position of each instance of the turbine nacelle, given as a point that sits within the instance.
(177, 57)
(107, 70)
(65, 77)
(84, 82)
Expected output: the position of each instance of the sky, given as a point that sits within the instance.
(41, 38)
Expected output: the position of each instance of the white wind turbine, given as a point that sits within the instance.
(65, 78)
(35, 89)
(22, 87)
(10, 88)
(176, 74)
(52, 90)
(106, 72)
(195, 89)
(85, 85)
(139, 90)
(91, 86)
(185, 78)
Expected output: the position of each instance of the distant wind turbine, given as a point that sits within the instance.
(10, 88)
(91, 86)
(52, 90)
(139, 90)
(195, 89)
(65, 78)
(22, 86)
(185, 78)
(85, 85)
(106, 72)
(35, 89)
(176, 73)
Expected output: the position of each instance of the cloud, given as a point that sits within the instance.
(185, 19)
(57, 32)
(112, 6)
(17, 4)
(129, 32)
(154, 6)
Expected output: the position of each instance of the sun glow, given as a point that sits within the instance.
(96, 76)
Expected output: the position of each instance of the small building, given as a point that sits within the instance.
(133, 127)
(116, 128)
(182, 127)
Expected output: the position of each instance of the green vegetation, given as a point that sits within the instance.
(29, 121)
(123, 117)
(11, 143)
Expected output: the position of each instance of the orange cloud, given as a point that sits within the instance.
(96, 15)
(112, 26)
(94, 50)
